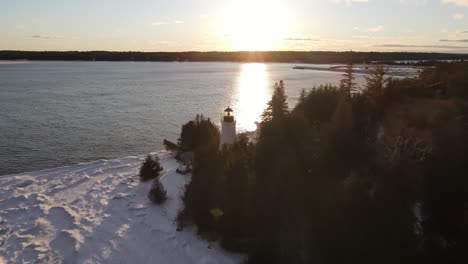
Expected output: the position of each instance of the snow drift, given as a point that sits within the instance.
(97, 212)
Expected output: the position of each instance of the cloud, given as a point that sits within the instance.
(458, 16)
(42, 37)
(159, 23)
(361, 37)
(454, 40)
(302, 39)
(420, 46)
(414, 2)
(378, 28)
(350, 2)
(163, 42)
(456, 2)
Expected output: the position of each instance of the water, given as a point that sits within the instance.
(60, 113)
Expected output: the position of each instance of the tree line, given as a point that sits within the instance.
(373, 174)
(240, 56)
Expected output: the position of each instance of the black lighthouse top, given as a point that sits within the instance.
(228, 117)
(228, 110)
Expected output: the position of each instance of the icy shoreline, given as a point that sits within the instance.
(97, 212)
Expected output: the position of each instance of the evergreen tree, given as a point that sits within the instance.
(347, 84)
(202, 192)
(157, 193)
(302, 96)
(199, 132)
(375, 82)
(150, 168)
(235, 225)
(277, 106)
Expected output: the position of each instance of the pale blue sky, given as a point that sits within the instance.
(180, 25)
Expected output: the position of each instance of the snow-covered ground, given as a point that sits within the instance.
(97, 212)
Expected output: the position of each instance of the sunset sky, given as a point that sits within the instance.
(206, 25)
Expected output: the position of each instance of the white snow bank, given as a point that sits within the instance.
(97, 212)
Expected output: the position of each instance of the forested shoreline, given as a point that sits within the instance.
(317, 57)
(372, 174)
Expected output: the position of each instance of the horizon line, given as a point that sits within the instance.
(240, 51)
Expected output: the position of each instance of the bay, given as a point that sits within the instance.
(60, 113)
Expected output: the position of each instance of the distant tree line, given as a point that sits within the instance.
(370, 175)
(266, 56)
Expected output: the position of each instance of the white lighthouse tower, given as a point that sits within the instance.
(228, 128)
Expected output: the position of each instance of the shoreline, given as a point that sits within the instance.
(359, 71)
(161, 152)
(305, 57)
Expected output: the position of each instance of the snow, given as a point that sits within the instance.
(98, 212)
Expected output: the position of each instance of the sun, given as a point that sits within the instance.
(255, 25)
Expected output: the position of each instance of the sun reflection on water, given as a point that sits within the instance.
(252, 95)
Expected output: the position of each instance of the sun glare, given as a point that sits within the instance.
(255, 25)
(252, 96)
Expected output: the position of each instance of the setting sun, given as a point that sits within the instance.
(255, 25)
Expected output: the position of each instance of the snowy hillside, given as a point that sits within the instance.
(97, 212)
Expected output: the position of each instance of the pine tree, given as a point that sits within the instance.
(157, 193)
(302, 96)
(277, 106)
(375, 82)
(347, 83)
(150, 168)
(197, 133)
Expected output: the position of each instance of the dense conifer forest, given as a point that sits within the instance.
(241, 56)
(373, 174)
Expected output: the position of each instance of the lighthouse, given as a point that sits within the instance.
(228, 128)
